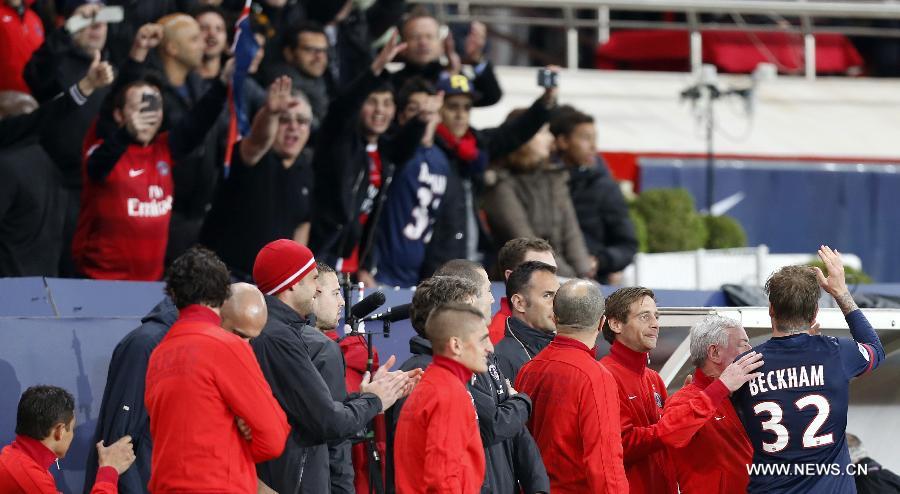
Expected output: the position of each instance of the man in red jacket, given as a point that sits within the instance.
(511, 255)
(711, 456)
(437, 446)
(21, 33)
(212, 413)
(576, 406)
(45, 427)
(632, 327)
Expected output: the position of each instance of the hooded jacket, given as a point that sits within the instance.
(603, 217)
(122, 410)
(537, 203)
(316, 418)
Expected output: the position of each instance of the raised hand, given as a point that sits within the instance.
(835, 283)
(454, 63)
(475, 42)
(119, 455)
(227, 72)
(139, 122)
(278, 99)
(740, 371)
(147, 38)
(551, 93)
(387, 54)
(429, 112)
(99, 74)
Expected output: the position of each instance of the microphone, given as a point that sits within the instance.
(367, 305)
(394, 314)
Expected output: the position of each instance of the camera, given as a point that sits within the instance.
(153, 101)
(547, 78)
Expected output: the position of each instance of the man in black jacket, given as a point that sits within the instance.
(61, 61)
(354, 164)
(286, 272)
(599, 204)
(530, 290)
(458, 232)
(32, 208)
(421, 32)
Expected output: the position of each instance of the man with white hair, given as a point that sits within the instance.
(715, 343)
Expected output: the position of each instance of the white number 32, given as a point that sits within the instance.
(810, 439)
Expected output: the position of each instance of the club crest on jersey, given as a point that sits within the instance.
(162, 167)
(658, 398)
(493, 370)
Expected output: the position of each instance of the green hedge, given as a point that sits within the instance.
(666, 220)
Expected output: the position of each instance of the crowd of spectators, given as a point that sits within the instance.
(115, 133)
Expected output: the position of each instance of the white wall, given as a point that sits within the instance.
(641, 111)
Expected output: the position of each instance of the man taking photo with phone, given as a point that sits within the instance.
(123, 225)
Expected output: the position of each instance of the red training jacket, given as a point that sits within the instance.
(24, 468)
(497, 329)
(19, 38)
(714, 457)
(642, 395)
(575, 418)
(356, 356)
(199, 379)
(437, 445)
(123, 226)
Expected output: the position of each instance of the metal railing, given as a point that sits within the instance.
(838, 17)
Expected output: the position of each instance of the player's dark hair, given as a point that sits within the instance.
(618, 306)
(149, 80)
(324, 268)
(418, 12)
(41, 408)
(520, 278)
(794, 296)
(565, 118)
(513, 252)
(439, 328)
(198, 277)
(209, 9)
(413, 85)
(436, 291)
(463, 268)
(292, 34)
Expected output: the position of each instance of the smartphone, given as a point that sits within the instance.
(547, 78)
(154, 103)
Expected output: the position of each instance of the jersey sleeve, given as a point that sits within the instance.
(866, 340)
(856, 358)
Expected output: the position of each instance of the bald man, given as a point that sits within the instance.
(178, 42)
(244, 313)
(575, 419)
(437, 446)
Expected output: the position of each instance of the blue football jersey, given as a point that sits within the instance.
(409, 214)
(795, 414)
